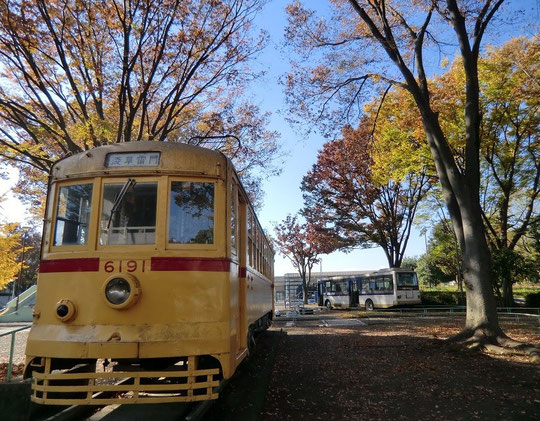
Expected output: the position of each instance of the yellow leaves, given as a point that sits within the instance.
(399, 144)
(445, 62)
(10, 247)
(509, 78)
(84, 132)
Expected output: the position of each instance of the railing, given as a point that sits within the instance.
(501, 311)
(12, 348)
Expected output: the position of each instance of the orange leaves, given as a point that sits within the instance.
(343, 197)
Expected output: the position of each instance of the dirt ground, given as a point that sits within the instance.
(338, 366)
(397, 369)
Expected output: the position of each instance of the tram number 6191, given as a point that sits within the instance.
(124, 265)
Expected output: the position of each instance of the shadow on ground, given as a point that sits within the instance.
(372, 372)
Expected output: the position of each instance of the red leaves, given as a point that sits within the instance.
(344, 200)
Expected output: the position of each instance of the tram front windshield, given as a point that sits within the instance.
(129, 218)
(73, 215)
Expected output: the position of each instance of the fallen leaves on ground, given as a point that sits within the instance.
(399, 369)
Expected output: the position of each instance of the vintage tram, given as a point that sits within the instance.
(154, 276)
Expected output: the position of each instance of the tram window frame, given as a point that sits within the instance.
(90, 212)
(120, 181)
(170, 213)
(234, 218)
(251, 228)
(219, 208)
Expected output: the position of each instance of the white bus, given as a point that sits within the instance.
(379, 289)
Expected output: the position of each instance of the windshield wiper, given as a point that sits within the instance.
(119, 197)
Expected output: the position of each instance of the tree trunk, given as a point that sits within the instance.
(477, 272)
(462, 200)
(304, 289)
(508, 293)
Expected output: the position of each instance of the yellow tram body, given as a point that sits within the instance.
(192, 299)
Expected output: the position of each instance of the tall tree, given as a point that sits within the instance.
(341, 194)
(509, 154)
(79, 74)
(510, 98)
(384, 41)
(301, 244)
(10, 250)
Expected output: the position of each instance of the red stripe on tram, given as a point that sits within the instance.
(163, 264)
(90, 264)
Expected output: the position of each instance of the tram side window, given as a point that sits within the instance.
(73, 215)
(234, 224)
(191, 213)
(134, 218)
(250, 239)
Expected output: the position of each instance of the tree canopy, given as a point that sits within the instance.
(381, 44)
(342, 195)
(79, 74)
(302, 243)
(509, 79)
(10, 251)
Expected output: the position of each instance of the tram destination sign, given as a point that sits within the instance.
(132, 159)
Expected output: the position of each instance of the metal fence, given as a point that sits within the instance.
(12, 332)
(515, 312)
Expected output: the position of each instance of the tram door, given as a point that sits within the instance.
(320, 292)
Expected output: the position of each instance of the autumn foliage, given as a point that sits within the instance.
(10, 249)
(342, 194)
(302, 243)
(79, 74)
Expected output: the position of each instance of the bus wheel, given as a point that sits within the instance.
(369, 305)
(328, 304)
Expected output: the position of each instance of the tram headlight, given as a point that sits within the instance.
(65, 310)
(117, 291)
(121, 291)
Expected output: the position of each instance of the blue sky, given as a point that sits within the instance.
(282, 193)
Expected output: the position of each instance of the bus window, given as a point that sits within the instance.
(134, 220)
(340, 287)
(364, 285)
(384, 283)
(191, 219)
(72, 215)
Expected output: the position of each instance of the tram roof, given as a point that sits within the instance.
(174, 157)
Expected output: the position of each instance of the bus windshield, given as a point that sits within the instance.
(407, 280)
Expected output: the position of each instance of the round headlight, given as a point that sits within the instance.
(65, 310)
(117, 291)
(121, 291)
